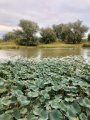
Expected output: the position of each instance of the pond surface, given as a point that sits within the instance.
(44, 52)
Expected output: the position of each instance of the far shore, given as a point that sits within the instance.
(13, 45)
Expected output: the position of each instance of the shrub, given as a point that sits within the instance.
(88, 37)
(48, 35)
(86, 45)
(34, 41)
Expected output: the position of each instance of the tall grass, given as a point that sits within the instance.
(13, 45)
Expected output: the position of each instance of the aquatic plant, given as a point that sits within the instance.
(47, 89)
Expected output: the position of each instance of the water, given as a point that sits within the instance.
(44, 52)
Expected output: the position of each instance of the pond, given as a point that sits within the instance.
(44, 52)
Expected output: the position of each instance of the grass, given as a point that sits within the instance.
(86, 44)
(7, 45)
(13, 45)
(60, 45)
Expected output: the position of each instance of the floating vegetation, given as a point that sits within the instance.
(49, 89)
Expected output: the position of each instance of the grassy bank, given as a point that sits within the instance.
(60, 45)
(8, 45)
(86, 45)
(13, 45)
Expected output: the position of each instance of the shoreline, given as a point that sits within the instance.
(13, 45)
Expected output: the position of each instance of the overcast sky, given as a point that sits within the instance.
(44, 12)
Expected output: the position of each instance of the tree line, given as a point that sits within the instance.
(72, 33)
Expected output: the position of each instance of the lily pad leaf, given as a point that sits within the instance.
(33, 94)
(23, 100)
(16, 113)
(55, 115)
(44, 115)
(83, 116)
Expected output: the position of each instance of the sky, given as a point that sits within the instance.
(44, 12)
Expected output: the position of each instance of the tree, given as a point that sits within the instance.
(89, 37)
(27, 33)
(60, 30)
(71, 32)
(48, 35)
(9, 36)
(78, 30)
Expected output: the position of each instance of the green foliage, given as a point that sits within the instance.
(29, 28)
(61, 31)
(88, 37)
(34, 41)
(9, 36)
(48, 35)
(48, 89)
(86, 45)
(27, 34)
(71, 32)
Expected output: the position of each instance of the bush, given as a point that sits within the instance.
(9, 36)
(86, 45)
(88, 37)
(33, 42)
(48, 35)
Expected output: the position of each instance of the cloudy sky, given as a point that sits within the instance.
(44, 12)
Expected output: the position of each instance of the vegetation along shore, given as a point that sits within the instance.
(29, 34)
(13, 45)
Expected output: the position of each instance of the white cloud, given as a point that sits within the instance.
(4, 28)
(44, 12)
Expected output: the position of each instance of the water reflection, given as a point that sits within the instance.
(44, 52)
(85, 53)
(39, 54)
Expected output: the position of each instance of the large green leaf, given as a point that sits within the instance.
(43, 115)
(55, 115)
(16, 113)
(23, 100)
(83, 116)
(71, 114)
(23, 110)
(6, 101)
(1, 83)
(33, 94)
(85, 102)
(45, 94)
(5, 117)
(37, 111)
(54, 104)
(63, 106)
(75, 107)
